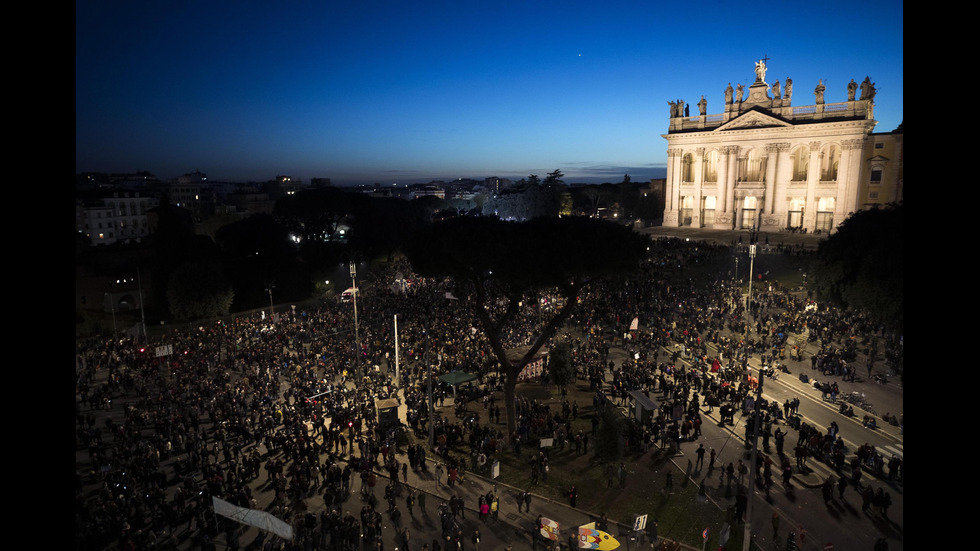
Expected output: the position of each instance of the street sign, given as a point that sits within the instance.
(495, 469)
(165, 350)
(640, 523)
(705, 534)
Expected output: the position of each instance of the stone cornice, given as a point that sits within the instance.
(826, 130)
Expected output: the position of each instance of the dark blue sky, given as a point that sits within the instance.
(405, 91)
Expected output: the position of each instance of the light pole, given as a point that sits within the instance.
(397, 380)
(112, 308)
(432, 426)
(139, 285)
(272, 307)
(357, 338)
(748, 299)
(747, 541)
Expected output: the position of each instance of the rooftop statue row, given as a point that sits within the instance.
(735, 95)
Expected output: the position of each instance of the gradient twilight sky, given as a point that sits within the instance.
(410, 91)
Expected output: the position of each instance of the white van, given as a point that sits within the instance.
(348, 295)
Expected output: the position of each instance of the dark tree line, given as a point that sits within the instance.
(861, 266)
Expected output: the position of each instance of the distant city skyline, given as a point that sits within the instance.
(591, 176)
(366, 93)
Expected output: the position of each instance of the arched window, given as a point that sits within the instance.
(711, 166)
(687, 167)
(801, 163)
(830, 163)
(753, 166)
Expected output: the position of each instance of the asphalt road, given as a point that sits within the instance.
(841, 523)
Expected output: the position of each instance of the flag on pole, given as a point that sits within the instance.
(258, 519)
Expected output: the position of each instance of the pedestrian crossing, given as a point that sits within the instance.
(896, 450)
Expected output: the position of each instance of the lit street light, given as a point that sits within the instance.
(357, 338)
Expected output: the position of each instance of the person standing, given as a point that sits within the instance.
(484, 509)
(572, 496)
(527, 500)
(396, 517)
(476, 540)
(700, 462)
(741, 502)
(406, 538)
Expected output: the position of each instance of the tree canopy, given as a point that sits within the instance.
(498, 265)
(861, 266)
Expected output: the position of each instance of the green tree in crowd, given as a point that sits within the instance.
(505, 266)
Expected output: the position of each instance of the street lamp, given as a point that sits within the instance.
(357, 338)
(756, 418)
(272, 307)
(748, 310)
(432, 426)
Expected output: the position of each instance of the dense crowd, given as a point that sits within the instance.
(290, 398)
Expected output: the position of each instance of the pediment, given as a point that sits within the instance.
(753, 119)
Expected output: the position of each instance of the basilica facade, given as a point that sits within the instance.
(765, 164)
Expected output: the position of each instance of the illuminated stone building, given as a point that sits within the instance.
(764, 164)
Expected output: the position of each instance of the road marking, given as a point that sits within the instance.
(896, 450)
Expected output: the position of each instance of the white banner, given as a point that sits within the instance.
(258, 519)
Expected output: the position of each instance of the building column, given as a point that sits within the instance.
(724, 211)
(768, 220)
(772, 159)
(671, 194)
(812, 177)
(848, 179)
(784, 173)
(698, 181)
(733, 164)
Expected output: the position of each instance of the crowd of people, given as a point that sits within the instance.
(289, 398)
